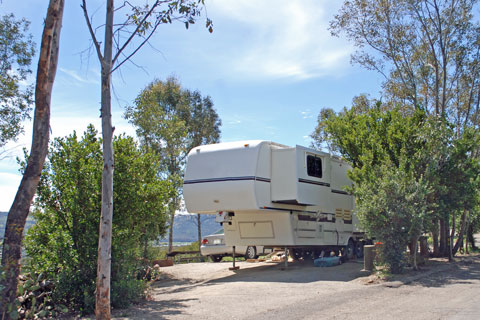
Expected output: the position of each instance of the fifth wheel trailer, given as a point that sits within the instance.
(269, 194)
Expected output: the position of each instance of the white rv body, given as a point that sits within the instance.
(272, 195)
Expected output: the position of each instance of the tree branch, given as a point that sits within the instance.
(139, 25)
(90, 29)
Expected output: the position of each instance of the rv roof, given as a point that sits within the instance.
(236, 145)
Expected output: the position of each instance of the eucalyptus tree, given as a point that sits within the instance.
(408, 170)
(122, 40)
(46, 71)
(427, 51)
(171, 121)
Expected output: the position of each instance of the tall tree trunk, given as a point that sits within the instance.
(17, 216)
(466, 230)
(459, 241)
(470, 236)
(443, 238)
(449, 237)
(452, 231)
(170, 228)
(436, 249)
(102, 306)
(414, 252)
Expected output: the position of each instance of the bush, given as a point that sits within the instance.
(63, 242)
(393, 211)
(127, 291)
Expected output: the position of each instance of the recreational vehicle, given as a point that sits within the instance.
(268, 194)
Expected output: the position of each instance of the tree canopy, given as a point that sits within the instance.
(170, 121)
(427, 51)
(426, 125)
(16, 52)
(408, 170)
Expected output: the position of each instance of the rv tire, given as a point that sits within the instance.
(297, 254)
(359, 249)
(350, 250)
(251, 253)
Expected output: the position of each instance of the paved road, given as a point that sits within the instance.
(265, 291)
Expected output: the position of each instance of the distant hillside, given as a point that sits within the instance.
(3, 222)
(184, 228)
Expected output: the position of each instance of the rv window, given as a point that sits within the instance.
(314, 166)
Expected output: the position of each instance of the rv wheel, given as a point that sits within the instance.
(216, 258)
(350, 250)
(297, 254)
(359, 249)
(251, 253)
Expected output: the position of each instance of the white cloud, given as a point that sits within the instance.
(284, 39)
(307, 114)
(91, 78)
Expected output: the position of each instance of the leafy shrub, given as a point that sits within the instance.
(63, 242)
(393, 210)
(126, 291)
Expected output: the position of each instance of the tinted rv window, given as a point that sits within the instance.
(314, 166)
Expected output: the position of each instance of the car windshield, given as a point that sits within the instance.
(219, 231)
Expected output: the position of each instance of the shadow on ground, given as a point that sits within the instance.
(297, 272)
(153, 310)
(465, 270)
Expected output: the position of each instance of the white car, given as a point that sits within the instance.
(213, 246)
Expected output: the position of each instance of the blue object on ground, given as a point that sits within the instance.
(327, 262)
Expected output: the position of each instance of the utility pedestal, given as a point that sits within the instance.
(368, 257)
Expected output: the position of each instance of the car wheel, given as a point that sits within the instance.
(216, 258)
(251, 253)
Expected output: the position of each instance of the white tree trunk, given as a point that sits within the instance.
(102, 307)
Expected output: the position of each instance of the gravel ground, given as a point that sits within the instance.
(267, 290)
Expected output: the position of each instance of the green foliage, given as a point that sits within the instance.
(16, 53)
(183, 10)
(126, 291)
(408, 169)
(394, 210)
(63, 242)
(170, 121)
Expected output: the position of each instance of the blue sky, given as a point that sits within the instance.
(269, 67)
